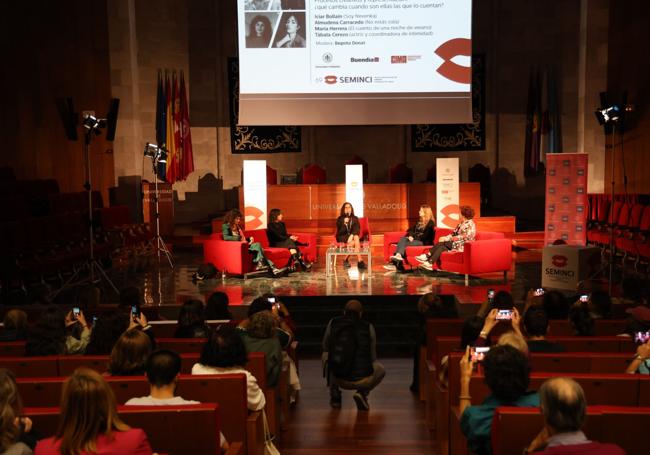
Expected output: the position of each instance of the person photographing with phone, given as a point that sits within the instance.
(641, 361)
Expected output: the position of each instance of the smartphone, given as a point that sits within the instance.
(539, 292)
(94, 320)
(504, 315)
(490, 295)
(477, 354)
(134, 311)
(642, 337)
(75, 312)
(271, 299)
(584, 298)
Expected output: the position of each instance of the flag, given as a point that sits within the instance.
(161, 108)
(554, 139)
(176, 106)
(533, 124)
(171, 144)
(187, 157)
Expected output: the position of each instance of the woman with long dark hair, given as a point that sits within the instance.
(191, 321)
(464, 232)
(278, 236)
(348, 230)
(232, 231)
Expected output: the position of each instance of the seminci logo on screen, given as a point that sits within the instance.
(348, 79)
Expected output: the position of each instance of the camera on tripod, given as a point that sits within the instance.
(156, 153)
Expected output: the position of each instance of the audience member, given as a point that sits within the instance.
(564, 407)
(431, 306)
(469, 334)
(556, 306)
(507, 376)
(106, 330)
(284, 332)
(514, 339)
(129, 355)
(15, 326)
(641, 362)
(15, 437)
(216, 308)
(89, 422)
(225, 353)
(350, 356)
(191, 321)
(581, 320)
(49, 336)
(491, 321)
(536, 326)
(600, 305)
(261, 336)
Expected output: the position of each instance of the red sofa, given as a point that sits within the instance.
(489, 252)
(234, 258)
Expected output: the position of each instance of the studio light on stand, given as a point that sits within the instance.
(611, 117)
(158, 155)
(93, 126)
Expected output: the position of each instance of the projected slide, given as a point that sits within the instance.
(338, 61)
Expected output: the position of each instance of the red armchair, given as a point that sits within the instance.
(489, 252)
(312, 174)
(234, 258)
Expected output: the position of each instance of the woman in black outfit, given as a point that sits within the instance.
(422, 233)
(348, 230)
(276, 231)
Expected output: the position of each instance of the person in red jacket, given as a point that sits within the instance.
(564, 407)
(89, 423)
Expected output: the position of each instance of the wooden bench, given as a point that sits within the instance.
(198, 425)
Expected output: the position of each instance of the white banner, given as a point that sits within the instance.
(354, 187)
(255, 194)
(447, 193)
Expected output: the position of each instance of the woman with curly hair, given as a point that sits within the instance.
(225, 353)
(232, 231)
(13, 428)
(259, 32)
(89, 422)
(464, 232)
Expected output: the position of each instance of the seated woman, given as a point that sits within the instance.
(422, 233)
(89, 422)
(130, 353)
(191, 321)
(231, 230)
(465, 231)
(276, 231)
(225, 353)
(57, 333)
(347, 231)
(15, 437)
(507, 375)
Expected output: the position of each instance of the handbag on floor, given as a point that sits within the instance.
(269, 447)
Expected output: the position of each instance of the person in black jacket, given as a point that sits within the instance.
(422, 233)
(276, 231)
(348, 230)
(350, 356)
(191, 321)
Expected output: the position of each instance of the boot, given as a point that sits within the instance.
(305, 266)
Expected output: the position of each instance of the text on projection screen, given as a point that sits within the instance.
(349, 62)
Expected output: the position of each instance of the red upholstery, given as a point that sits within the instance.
(234, 258)
(313, 174)
(364, 234)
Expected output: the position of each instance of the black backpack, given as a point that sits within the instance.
(342, 347)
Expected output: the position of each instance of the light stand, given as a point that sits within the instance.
(96, 272)
(158, 155)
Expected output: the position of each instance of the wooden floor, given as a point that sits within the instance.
(394, 424)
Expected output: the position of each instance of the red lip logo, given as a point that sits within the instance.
(447, 211)
(452, 71)
(559, 261)
(252, 218)
(330, 79)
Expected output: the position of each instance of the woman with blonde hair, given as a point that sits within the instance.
(89, 422)
(130, 353)
(12, 427)
(422, 233)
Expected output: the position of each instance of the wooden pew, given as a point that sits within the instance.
(198, 425)
(31, 366)
(12, 349)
